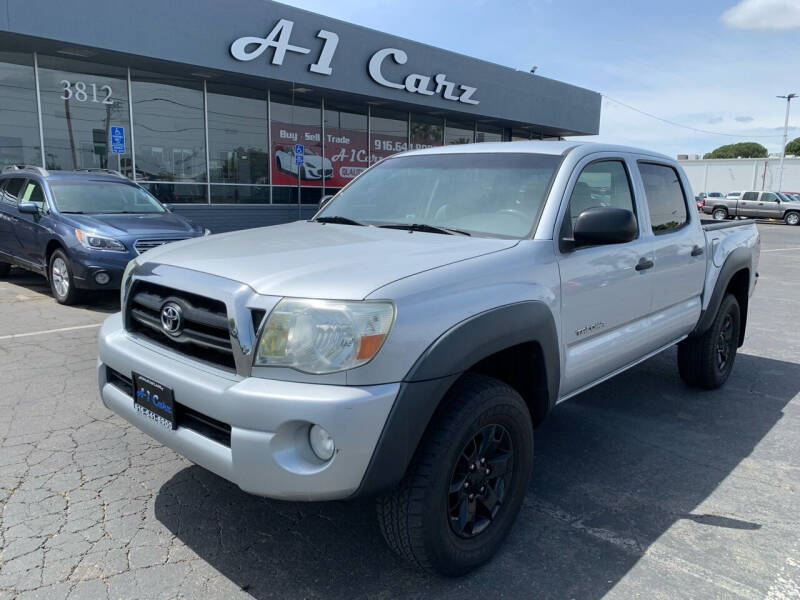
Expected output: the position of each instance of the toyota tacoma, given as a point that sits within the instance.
(405, 342)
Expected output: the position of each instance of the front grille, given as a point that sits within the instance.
(204, 336)
(184, 416)
(145, 245)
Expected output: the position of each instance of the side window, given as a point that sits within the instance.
(33, 192)
(602, 183)
(665, 199)
(750, 196)
(769, 197)
(13, 188)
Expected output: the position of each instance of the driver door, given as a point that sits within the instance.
(605, 290)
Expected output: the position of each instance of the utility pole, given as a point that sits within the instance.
(788, 98)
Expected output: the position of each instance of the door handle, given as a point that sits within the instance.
(697, 251)
(644, 264)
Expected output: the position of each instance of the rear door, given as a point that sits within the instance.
(748, 205)
(678, 252)
(605, 299)
(9, 233)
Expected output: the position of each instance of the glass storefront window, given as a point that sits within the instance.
(426, 131)
(297, 122)
(178, 193)
(238, 135)
(458, 132)
(169, 128)
(19, 124)
(81, 102)
(345, 143)
(518, 134)
(288, 195)
(388, 133)
(489, 133)
(239, 194)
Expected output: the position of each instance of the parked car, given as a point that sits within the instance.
(755, 204)
(405, 341)
(80, 228)
(314, 166)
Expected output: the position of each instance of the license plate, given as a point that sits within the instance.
(154, 401)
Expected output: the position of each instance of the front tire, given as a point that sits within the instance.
(719, 214)
(466, 482)
(62, 282)
(792, 218)
(706, 361)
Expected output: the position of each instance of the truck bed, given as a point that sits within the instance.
(713, 225)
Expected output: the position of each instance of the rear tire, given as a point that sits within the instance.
(5, 268)
(706, 361)
(719, 214)
(792, 218)
(62, 282)
(431, 519)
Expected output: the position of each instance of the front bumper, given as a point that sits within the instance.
(87, 263)
(269, 453)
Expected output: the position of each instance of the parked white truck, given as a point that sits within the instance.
(405, 341)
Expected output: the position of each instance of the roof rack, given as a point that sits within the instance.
(104, 171)
(36, 169)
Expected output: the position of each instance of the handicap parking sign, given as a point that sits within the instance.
(118, 140)
(299, 150)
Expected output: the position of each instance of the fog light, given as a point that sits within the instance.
(102, 278)
(321, 442)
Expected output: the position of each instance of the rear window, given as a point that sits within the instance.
(665, 200)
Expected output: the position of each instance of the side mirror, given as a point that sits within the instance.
(28, 208)
(605, 225)
(325, 200)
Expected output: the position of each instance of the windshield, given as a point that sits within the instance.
(784, 197)
(105, 197)
(498, 194)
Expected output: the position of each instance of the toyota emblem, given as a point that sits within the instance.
(172, 318)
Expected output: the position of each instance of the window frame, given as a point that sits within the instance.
(683, 194)
(565, 245)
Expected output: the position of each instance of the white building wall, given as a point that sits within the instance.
(729, 175)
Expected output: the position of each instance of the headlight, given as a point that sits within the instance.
(323, 336)
(98, 242)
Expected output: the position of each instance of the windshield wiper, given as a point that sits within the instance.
(424, 227)
(339, 220)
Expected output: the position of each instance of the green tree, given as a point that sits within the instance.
(793, 147)
(739, 150)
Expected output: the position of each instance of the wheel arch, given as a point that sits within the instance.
(734, 278)
(516, 343)
(51, 247)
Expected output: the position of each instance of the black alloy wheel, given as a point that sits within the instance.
(480, 480)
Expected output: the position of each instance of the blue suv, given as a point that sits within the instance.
(80, 228)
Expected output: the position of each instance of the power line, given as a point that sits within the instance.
(689, 127)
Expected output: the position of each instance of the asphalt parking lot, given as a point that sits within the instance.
(641, 487)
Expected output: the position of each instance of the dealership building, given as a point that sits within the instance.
(247, 112)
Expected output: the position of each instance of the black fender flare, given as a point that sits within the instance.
(738, 260)
(443, 362)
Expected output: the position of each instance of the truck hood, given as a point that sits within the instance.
(314, 260)
(127, 224)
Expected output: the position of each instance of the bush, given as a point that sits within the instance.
(740, 150)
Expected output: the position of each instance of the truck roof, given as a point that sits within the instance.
(56, 174)
(554, 147)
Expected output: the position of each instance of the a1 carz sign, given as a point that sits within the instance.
(279, 40)
(347, 153)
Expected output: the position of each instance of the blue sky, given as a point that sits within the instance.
(708, 64)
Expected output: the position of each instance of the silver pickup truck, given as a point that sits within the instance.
(405, 341)
(762, 205)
